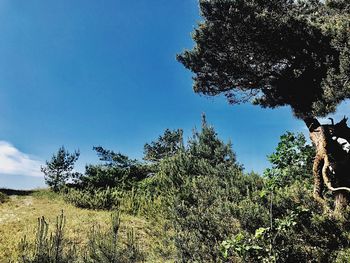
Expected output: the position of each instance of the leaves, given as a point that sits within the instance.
(273, 53)
(60, 168)
(291, 161)
(165, 146)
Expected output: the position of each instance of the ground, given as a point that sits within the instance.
(18, 218)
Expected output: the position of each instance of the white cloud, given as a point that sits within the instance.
(13, 161)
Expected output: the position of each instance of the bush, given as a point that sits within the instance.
(48, 248)
(93, 198)
(104, 246)
(282, 222)
(295, 231)
(3, 198)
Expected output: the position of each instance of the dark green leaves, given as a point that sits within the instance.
(272, 53)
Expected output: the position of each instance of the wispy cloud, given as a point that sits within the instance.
(13, 161)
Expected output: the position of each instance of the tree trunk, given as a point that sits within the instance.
(331, 164)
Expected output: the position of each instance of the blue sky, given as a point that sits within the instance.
(87, 73)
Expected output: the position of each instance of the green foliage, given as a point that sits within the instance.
(206, 209)
(165, 146)
(47, 248)
(60, 169)
(105, 246)
(291, 161)
(202, 217)
(118, 170)
(3, 198)
(114, 159)
(281, 222)
(297, 231)
(202, 184)
(343, 256)
(220, 214)
(205, 154)
(206, 145)
(273, 53)
(93, 198)
(134, 202)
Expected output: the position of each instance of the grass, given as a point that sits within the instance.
(18, 218)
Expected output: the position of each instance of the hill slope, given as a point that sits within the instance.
(19, 218)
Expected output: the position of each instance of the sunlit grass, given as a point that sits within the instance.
(18, 218)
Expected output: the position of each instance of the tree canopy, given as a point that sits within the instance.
(166, 145)
(273, 53)
(60, 168)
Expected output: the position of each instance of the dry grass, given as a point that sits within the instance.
(19, 216)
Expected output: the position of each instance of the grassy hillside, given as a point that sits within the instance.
(19, 218)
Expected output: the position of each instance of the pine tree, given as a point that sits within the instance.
(60, 168)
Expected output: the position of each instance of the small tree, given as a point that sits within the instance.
(166, 145)
(60, 168)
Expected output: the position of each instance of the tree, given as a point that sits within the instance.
(292, 160)
(279, 53)
(112, 158)
(60, 168)
(117, 170)
(202, 185)
(166, 145)
(207, 145)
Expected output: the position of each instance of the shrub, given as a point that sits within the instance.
(93, 198)
(282, 222)
(104, 246)
(3, 198)
(48, 248)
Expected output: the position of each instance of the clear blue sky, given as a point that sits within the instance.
(84, 73)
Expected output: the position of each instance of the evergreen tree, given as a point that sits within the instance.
(274, 53)
(117, 170)
(166, 145)
(111, 158)
(60, 168)
(207, 145)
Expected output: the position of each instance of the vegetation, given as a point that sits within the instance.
(281, 53)
(197, 206)
(193, 201)
(103, 246)
(166, 145)
(47, 248)
(23, 225)
(275, 53)
(3, 198)
(60, 169)
(117, 170)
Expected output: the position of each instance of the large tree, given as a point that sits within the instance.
(281, 53)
